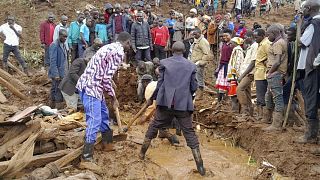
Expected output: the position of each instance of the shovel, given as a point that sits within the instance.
(144, 107)
(121, 136)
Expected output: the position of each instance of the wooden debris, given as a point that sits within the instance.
(13, 89)
(21, 116)
(51, 170)
(3, 99)
(17, 70)
(14, 131)
(22, 158)
(14, 81)
(19, 138)
(208, 127)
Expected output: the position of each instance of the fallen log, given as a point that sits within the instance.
(19, 138)
(40, 160)
(17, 70)
(13, 132)
(52, 170)
(22, 158)
(14, 81)
(13, 90)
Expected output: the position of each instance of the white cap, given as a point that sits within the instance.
(193, 10)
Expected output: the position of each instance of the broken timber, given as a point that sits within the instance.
(13, 89)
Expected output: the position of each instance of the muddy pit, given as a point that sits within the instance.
(226, 146)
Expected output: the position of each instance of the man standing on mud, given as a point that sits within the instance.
(58, 66)
(174, 100)
(97, 79)
(277, 65)
(46, 36)
(12, 34)
(200, 56)
(309, 61)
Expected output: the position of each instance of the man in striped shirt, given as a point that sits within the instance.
(96, 79)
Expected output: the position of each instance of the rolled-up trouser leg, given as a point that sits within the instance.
(92, 108)
(200, 76)
(185, 121)
(163, 118)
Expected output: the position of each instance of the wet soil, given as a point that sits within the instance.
(222, 158)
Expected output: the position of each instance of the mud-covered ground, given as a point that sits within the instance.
(163, 160)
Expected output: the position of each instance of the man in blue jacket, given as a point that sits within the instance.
(173, 94)
(58, 66)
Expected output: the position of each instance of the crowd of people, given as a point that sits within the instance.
(100, 43)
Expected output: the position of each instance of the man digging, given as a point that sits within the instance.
(96, 79)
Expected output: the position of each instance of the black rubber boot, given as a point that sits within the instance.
(87, 153)
(144, 148)
(198, 160)
(107, 140)
(311, 134)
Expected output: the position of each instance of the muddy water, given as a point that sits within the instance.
(221, 160)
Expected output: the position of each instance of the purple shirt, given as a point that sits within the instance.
(100, 70)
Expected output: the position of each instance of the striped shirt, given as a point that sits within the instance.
(100, 70)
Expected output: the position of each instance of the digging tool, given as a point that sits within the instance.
(121, 136)
(144, 107)
(294, 71)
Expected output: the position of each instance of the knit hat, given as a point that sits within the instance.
(108, 6)
(237, 40)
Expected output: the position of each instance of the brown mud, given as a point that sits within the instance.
(222, 158)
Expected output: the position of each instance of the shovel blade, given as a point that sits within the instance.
(120, 137)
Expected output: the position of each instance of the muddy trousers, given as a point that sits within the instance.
(274, 95)
(97, 116)
(244, 91)
(164, 117)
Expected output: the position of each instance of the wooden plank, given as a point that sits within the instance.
(17, 70)
(40, 160)
(13, 89)
(23, 114)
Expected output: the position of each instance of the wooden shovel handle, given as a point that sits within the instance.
(144, 107)
(118, 118)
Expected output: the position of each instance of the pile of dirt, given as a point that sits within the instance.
(289, 158)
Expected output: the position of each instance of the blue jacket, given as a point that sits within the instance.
(177, 84)
(112, 21)
(58, 60)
